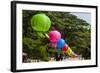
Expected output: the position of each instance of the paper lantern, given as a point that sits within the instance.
(40, 22)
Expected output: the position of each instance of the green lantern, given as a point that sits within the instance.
(40, 22)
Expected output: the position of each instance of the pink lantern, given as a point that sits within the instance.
(65, 48)
(54, 45)
(54, 36)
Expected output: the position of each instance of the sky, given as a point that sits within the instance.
(84, 16)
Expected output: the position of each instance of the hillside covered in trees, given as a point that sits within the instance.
(75, 31)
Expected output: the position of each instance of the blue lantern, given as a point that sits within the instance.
(60, 43)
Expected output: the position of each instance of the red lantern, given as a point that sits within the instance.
(65, 48)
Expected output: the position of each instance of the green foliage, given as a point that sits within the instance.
(74, 30)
